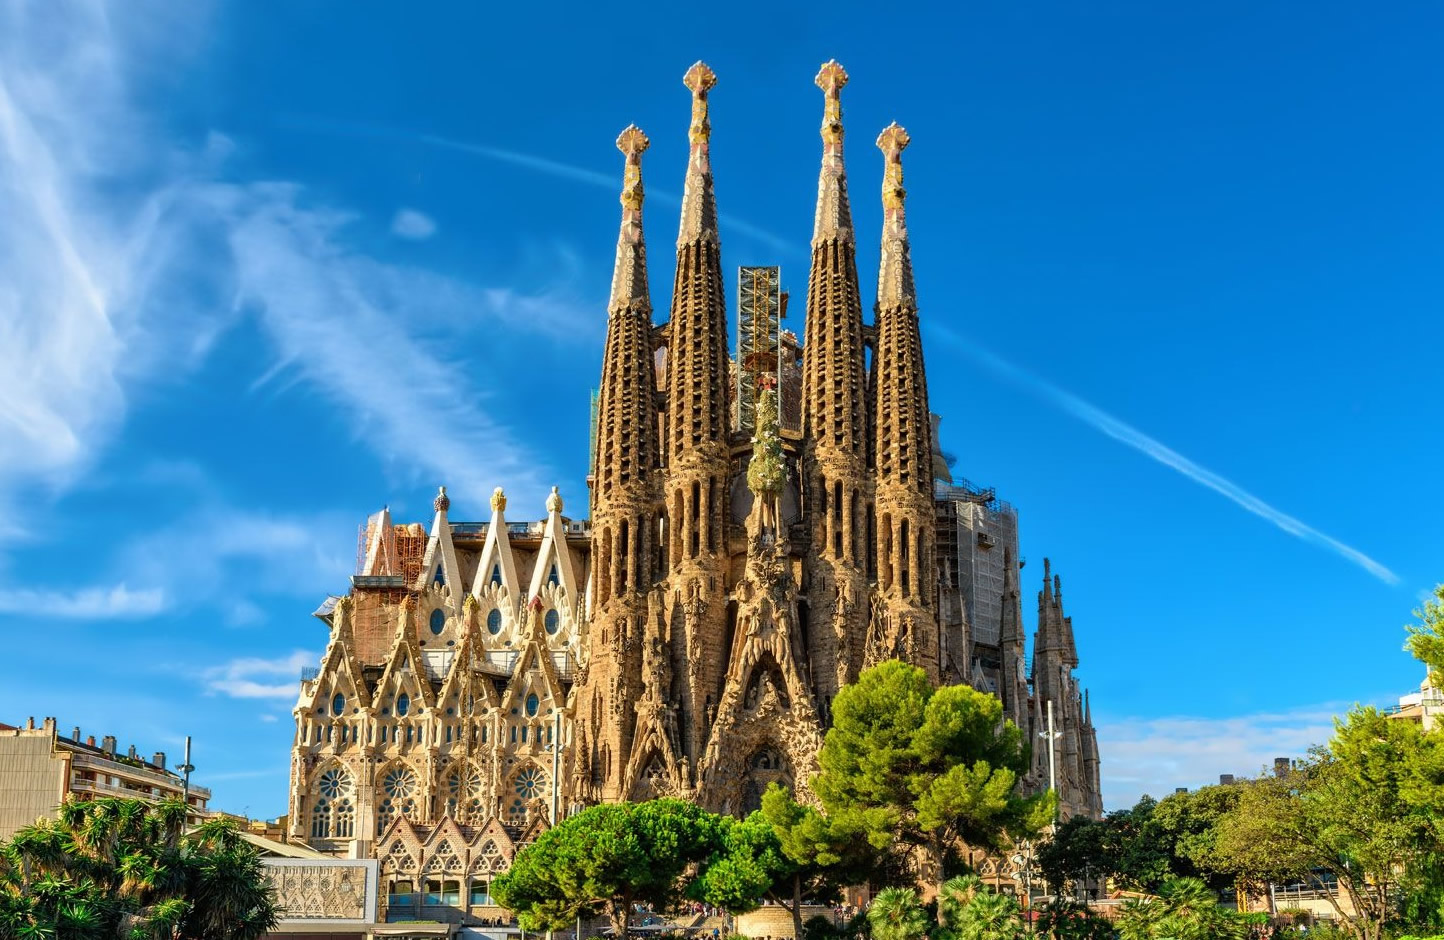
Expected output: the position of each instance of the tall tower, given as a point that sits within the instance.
(697, 422)
(906, 518)
(624, 505)
(836, 495)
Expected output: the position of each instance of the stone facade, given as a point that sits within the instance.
(483, 678)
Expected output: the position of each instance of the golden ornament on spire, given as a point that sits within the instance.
(699, 79)
(831, 78)
(633, 143)
(498, 500)
(892, 142)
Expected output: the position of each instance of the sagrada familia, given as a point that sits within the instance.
(484, 679)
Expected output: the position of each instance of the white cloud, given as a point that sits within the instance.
(125, 257)
(1157, 755)
(1130, 436)
(253, 677)
(94, 603)
(413, 225)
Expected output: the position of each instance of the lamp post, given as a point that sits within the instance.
(1023, 862)
(185, 769)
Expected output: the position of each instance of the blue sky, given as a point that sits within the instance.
(264, 268)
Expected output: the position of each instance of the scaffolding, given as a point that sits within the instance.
(761, 305)
(403, 555)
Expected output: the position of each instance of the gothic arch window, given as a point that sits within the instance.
(398, 796)
(332, 815)
(554, 578)
(465, 787)
(496, 574)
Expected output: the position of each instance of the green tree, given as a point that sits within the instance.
(928, 767)
(897, 914)
(1360, 812)
(1063, 919)
(607, 858)
(787, 853)
(1426, 634)
(123, 868)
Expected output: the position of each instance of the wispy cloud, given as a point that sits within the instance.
(413, 225)
(1157, 755)
(257, 678)
(93, 603)
(125, 256)
(1130, 436)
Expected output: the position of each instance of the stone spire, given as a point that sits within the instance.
(699, 203)
(697, 425)
(902, 429)
(834, 215)
(629, 274)
(838, 498)
(624, 499)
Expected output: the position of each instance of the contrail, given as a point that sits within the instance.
(527, 161)
(1125, 433)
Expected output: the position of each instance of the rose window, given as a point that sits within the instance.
(399, 783)
(334, 782)
(529, 783)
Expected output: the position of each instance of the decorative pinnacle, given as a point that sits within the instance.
(442, 501)
(554, 501)
(830, 78)
(892, 142)
(700, 79)
(633, 143)
(498, 500)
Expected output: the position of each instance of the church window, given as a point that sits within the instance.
(403, 704)
(345, 820)
(513, 734)
(338, 704)
(321, 820)
(532, 704)
(496, 574)
(408, 734)
(481, 892)
(448, 734)
(553, 621)
(529, 783)
(439, 579)
(334, 783)
(493, 622)
(438, 621)
(553, 578)
(523, 734)
(483, 734)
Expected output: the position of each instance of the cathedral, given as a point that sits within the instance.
(757, 537)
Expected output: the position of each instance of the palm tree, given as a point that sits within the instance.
(990, 916)
(1139, 919)
(113, 867)
(954, 897)
(897, 914)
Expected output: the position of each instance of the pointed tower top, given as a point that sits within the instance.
(699, 205)
(629, 276)
(834, 215)
(699, 80)
(895, 279)
(442, 502)
(498, 500)
(554, 501)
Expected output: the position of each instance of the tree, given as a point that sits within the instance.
(897, 914)
(607, 858)
(925, 766)
(1426, 634)
(1062, 919)
(1185, 909)
(123, 868)
(1359, 812)
(787, 853)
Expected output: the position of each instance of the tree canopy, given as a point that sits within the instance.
(605, 859)
(904, 760)
(124, 868)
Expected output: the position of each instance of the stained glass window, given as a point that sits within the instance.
(338, 704)
(438, 621)
(403, 704)
(532, 704)
(493, 622)
(552, 620)
(529, 783)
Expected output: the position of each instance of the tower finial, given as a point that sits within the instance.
(831, 78)
(699, 79)
(629, 276)
(834, 215)
(442, 502)
(699, 205)
(892, 142)
(895, 278)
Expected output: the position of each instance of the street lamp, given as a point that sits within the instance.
(1023, 863)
